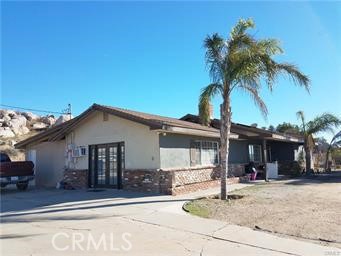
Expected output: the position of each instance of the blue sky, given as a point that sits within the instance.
(148, 56)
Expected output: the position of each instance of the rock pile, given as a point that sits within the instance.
(15, 124)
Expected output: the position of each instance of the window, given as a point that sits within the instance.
(83, 151)
(255, 153)
(79, 151)
(204, 153)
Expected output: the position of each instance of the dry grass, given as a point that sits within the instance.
(306, 209)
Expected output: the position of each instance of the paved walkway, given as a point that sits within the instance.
(131, 224)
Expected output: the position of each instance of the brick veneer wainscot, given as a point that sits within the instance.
(156, 181)
(181, 181)
(76, 179)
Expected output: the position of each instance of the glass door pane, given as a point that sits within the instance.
(92, 166)
(122, 157)
(106, 162)
(101, 165)
(113, 165)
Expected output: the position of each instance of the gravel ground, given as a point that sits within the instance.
(304, 208)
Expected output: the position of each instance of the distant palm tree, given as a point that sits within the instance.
(321, 123)
(240, 62)
(334, 143)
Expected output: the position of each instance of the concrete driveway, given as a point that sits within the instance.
(114, 222)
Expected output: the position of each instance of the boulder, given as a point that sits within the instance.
(6, 118)
(49, 120)
(12, 115)
(6, 132)
(62, 119)
(30, 116)
(4, 114)
(39, 125)
(5, 123)
(22, 130)
(17, 122)
(12, 142)
(7, 112)
(25, 130)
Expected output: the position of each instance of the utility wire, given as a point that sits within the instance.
(31, 109)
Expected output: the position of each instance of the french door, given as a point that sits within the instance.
(106, 162)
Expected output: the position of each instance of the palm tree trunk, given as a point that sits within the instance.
(225, 127)
(307, 158)
(326, 163)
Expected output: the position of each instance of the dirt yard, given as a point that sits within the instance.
(308, 209)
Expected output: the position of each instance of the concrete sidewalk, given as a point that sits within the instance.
(156, 224)
(231, 233)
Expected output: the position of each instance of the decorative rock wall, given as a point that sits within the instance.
(174, 182)
(75, 179)
(236, 170)
(170, 182)
(195, 175)
(156, 181)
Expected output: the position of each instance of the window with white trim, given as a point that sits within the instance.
(255, 153)
(204, 153)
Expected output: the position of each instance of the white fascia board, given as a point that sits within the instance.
(286, 138)
(182, 130)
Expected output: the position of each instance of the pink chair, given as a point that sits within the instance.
(254, 174)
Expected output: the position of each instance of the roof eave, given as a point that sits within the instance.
(196, 132)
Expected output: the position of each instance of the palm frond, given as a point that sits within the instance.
(243, 65)
(206, 95)
(241, 26)
(270, 46)
(257, 61)
(293, 72)
(336, 139)
(300, 116)
(242, 61)
(252, 88)
(242, 41)
(323, 123)
(214, 56)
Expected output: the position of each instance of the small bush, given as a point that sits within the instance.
(292, 169)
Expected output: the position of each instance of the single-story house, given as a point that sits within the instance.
(118, 148)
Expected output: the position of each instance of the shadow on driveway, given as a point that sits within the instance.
(334, 177)
(34, 203)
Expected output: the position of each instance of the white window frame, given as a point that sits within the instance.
(252, 159)
(200, 144)
(80, 151)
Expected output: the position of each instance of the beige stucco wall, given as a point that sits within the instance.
(141, 143)
(49, 164)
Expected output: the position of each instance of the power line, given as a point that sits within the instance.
(31, 109)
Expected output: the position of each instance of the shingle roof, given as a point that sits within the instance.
(153, 121)
(237, 127)
(158, 120)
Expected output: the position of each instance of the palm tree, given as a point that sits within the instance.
(240, 62)
(321, 123)
(335, 142)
